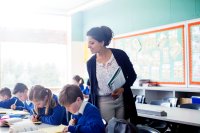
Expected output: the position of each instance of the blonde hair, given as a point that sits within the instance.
(38, 93)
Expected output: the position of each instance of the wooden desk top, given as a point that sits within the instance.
(174, 114)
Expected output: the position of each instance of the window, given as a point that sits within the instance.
(34, 53)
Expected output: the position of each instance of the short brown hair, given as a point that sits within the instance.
(5, 92)
(20, 87)
(69, 94)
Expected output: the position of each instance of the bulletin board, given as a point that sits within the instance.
(157, 54)
(194, 52)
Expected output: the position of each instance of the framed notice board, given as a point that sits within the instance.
(157, 54)
(194, 52)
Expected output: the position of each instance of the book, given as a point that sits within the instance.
(117, 80)
(53, 129)
(6, 122)
(22, 126)
(152, 112)
(10, 111)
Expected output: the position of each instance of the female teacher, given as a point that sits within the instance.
(101, 67)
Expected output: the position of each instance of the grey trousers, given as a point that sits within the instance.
(111, 108)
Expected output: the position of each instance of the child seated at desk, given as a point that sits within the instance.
(46, 106)
(77, 80)
(86, 91)
(86, 117)
(6, 99)
(21, 92)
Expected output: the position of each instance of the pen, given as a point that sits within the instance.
(34, 112)
(15, 101)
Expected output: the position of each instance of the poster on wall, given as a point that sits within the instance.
(157, 55)
(194, 52)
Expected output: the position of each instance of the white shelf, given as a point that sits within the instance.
(179, 89)
(156, 93)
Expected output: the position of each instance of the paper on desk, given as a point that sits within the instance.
(54, 129)
(23, 126)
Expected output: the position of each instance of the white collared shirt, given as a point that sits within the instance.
(82, 108)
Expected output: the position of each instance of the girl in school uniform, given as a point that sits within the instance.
(46, 106)
(77, 80)
(21, 92)
(6, 99)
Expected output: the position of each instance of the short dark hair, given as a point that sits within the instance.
(100, 34)
(19, 87)
(78, 78)
(69, 94)
(5, 92)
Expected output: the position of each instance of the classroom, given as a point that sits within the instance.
(44, 44)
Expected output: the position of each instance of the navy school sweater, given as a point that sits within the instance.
(89, 122)
(55, 116)
(11, 101)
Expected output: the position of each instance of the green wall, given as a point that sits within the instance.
(77, 27)
(131, 15)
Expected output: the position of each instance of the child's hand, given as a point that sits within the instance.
(65, 129)
(34, 118)
(72, 122)
(25, 110)
(85, 96)
(13, 106)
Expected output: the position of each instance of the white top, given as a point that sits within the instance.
(174, 114)
(82, 108)
(104, 72)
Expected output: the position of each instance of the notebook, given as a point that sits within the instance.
(117, 80)
(29, 127)
(5, 122)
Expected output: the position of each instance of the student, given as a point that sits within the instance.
(6, 99)
(86, 91)
(46, 106)
(21, 92)
(77, 80)
(101, 66)
(86, 117)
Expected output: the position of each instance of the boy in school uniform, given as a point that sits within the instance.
(6, 99)
(46, 106)
(86, 117)
(21, 92)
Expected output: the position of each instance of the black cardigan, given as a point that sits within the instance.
(130, 75)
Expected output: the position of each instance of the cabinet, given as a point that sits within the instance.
(157, 93)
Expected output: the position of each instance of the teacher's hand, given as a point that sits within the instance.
(117, 93)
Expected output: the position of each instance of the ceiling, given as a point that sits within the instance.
(45, 6)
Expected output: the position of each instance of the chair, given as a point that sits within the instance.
(171, 100)
(146, 129)
(120, 126)
(159, 125)
(190, 106)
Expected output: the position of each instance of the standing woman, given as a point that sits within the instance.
(101, 66)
